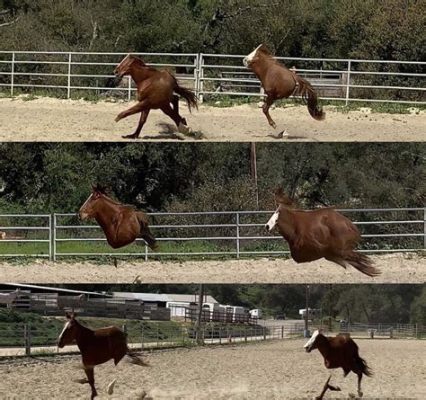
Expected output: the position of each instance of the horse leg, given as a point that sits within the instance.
(139, 107)
(266, 106)
(90, 372)
(360, 394)
(142, 120)
(175, 103)
(337, 260)
(178, 120)
(325, 388)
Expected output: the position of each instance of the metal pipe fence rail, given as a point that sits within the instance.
(30, 338)
(73, 74)
(232, 234)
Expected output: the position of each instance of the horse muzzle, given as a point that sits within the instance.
(246, 62)
(83, 216)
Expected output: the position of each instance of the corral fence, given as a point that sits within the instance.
(31, 338)
(383, 330)
(199, 234)
(79, 74)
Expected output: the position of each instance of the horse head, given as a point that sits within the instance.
(312, 344)
(281, 199)
(257, 55)
(68, 334)
(88, 209)
(125, 66)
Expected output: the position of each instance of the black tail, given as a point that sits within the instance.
(149, 238)
(362, 263)
(134, 359)
(188, 95)
(366, 370)
(310, 98)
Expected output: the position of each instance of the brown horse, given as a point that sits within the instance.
(338, 352)
(156, 90)
(122, 224)
(96, 346)
(322, 233)
(280, 83)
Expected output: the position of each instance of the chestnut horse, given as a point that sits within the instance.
(96, 346)
(156, 90)
(122, 224)
(338, 352)
(322, 233)
(280, 83)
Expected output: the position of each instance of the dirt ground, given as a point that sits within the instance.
(48, 119)
(396, 268)
(270, 370)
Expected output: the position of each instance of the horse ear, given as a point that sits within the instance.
(68, 315)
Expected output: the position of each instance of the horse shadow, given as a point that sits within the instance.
(168, 131)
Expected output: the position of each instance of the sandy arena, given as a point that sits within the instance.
(396, 268)
(271, 370)
(48, 119)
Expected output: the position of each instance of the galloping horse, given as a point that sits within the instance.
(322, 233)
(156, 90)
(338, 352)
(96, 346)
(280, 83)
(121, 224)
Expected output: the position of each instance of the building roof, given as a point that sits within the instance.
(156, 297)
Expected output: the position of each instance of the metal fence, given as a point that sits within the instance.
(74, 74)
(28, 338)
(200, 234)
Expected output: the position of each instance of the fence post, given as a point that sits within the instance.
(69, 76)
(146, 252)
(424, 229)
(348, 82)
(142, 335)
(50, 237)
(238, 234)
(201, 78)
(129, 88)
(264, 333)
(124, 328)
(12, 74)
(27, 339)
(54, 237)
(282, 331)
(196, 72)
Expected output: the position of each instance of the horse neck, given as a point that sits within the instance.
(261, 68)
(83, 336)
(104, 212)
(286, 223)
(323, 345)
(140, 73)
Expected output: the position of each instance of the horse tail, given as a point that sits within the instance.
(150, 239)
(188, 95)
(135, 359)
(310, 98)
(145, 232)
(362, 263)
(365, 369)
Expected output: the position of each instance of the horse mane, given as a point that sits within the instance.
(137, 60)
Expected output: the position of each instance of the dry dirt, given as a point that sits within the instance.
(271, 370)
(396, 268)
(48, 119)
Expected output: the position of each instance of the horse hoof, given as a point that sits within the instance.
(129, 137)
(111, 387)
(183, 129)
(360, 394)
(117, 118)
(282, 134)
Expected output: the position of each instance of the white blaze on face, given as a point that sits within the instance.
(272, 221)
(67, 324)
(311, 341)
(247, 60)
(84, 215)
